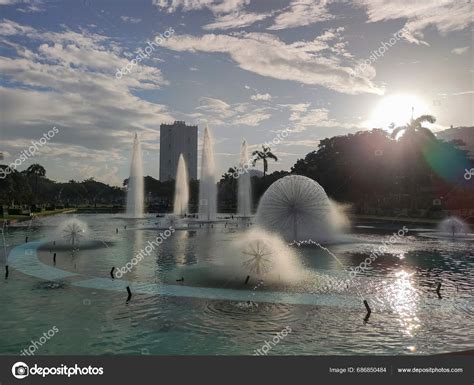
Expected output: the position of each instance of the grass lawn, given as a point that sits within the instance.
(21, 218)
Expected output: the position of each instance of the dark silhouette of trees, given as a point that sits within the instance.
(378, 173)
(264, 155)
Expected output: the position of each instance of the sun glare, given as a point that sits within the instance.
(397, 109)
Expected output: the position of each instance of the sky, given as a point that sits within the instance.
(246, 68)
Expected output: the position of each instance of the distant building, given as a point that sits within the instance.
(176, 139)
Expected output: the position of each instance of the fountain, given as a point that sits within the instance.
(135, 189)
(73, 231)
(453, 227)
(71, 235)
(207, 184)
(244, 197)
(265, 255)
(181, 194)
(297, 208)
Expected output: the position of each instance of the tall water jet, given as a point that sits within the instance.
(297, 208)
(181, 193)
(244, 195)
(207, 183)
(135, 193)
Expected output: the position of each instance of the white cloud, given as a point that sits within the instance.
(10, 28)
(31, 5)
(129, 19)
(269, 56)
(229, 14)
(445, 16)
(302, 13)
(66, 79)
(463, 93)
(218, 112)
(106, 174)
(460, 50)
(215, 6)
(266, 96)
(303, 117)
(236, 20)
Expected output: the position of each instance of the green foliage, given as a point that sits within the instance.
(264, 155)
(374, 171)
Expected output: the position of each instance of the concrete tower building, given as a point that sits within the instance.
(176, 139)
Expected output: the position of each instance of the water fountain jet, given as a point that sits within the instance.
(207, 184)
(244, 196)
(135, 190)
(181, 195)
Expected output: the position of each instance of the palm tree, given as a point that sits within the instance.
(415, 138)
(36, 170)
(415, 128)
(263, 155)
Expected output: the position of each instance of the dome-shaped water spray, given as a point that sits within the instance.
(297, 208)
(453, 226)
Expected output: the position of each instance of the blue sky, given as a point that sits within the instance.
(246, 68)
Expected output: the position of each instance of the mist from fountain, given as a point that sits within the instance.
(453, 226)
(265, 255)
(135, 191)
(71, 234)
(181, 193)
(207, 183)
(72, 231)
(244, 194)
(298, 209)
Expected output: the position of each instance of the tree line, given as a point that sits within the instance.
(374, 171)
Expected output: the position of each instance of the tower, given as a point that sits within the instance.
(176, 139)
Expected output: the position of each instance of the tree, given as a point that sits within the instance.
(36, 170)
(413, 138)
(415, 128)
(264, 155)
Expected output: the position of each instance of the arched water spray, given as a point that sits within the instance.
(244, 196)
(297, 208)
(207, 183)
(135, 191)
(181, 194)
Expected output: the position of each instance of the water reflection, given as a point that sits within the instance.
(404, 300)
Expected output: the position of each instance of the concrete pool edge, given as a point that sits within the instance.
(24, 258)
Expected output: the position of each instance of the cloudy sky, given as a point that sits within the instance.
(247, 68)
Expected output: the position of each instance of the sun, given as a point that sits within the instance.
(397, 109)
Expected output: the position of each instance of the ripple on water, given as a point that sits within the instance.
(238, 316)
